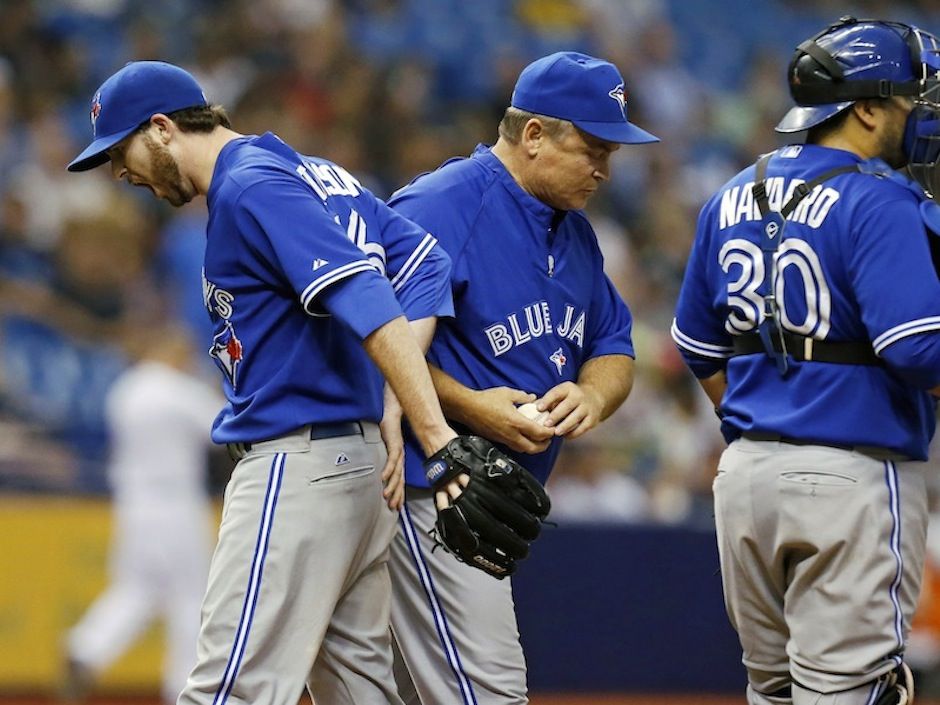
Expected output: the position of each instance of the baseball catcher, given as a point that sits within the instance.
(500, 511)
(843, 309)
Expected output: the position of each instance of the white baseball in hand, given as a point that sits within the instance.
(531, 411)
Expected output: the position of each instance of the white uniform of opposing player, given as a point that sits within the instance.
(160, 419)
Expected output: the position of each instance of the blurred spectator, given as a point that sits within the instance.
(95, 275)
(159, 416)
(64, 318)
(589, 486)
(669, 94)
(49, 197)
(18, 260)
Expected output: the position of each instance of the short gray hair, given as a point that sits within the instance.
(514, 120)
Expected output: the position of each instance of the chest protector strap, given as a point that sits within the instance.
(770, 336)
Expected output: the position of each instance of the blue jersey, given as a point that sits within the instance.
(295, 246)
(531, 300)
(854, 265)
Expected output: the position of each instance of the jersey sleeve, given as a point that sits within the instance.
(611, 322)
(898, 290)
(696, 330)
(449, 216)
(299, 237)
(417, 266)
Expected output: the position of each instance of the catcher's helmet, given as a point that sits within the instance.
(856, 59)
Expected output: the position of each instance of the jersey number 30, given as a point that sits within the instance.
(746, 303)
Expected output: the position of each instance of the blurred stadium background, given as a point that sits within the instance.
(623, 597)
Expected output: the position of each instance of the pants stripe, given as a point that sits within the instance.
(254, 580)
(440, 620)
(875, 692)
(891, 478)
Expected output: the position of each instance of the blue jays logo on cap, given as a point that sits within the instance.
(621, 98)
(586, 91)
(128, 99)
(95, 109)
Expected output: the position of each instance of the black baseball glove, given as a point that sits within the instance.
(498, 514)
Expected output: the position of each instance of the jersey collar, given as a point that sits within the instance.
(221, 165)
(545, 213)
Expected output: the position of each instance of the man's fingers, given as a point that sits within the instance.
(527, 445)
(390, 466)
(517, 396)
(395, 462)
(539, 447)
(393, 479)
(560, 413)
(397, 497)
(570, 422)
(556, 394)
(580, 429)
(578, 423)
(533, 430)
(445, 497)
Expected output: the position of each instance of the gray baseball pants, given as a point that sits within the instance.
(454, 626)
(822, 553)
(298, 588)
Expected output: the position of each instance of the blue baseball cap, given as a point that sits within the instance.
(581, 89)
(129, 99)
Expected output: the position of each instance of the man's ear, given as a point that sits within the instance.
(533, 133)
(869, 111)
(164, 127)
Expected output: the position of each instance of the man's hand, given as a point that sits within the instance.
(445, 496)
(393, 474)
(492, 413)
(575, 408)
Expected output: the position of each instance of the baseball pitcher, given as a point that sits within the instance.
(302, 269)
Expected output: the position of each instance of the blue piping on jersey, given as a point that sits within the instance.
(440, 619)
(891, 479)
(254, 580)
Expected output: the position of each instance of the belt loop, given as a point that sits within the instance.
(807, 348)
